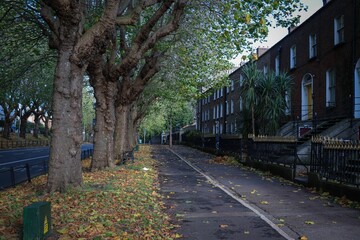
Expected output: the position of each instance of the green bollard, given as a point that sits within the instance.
(37, 221)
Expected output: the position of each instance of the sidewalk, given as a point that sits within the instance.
(294, 209)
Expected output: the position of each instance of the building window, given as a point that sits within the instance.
(339, 30)
(214, 112)
(330, 88)
(241, 104)
(277, 65)
(241, 80)
(293, 57)
(227, 107)
(266, 70)
(312, 46)
(232, 85)
(288, 103)
(221, 110)
(232, 106)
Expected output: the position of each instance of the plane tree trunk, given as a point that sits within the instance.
(105, 92)
(23, 121)
(10, 115)
(75, 47)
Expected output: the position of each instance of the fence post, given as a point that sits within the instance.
(12, 173)
(45, 165)
(28, 172)
(295, 160)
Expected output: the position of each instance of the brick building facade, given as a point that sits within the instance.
(323, 57)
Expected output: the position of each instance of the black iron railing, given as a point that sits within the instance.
(337, 160)
(12, 174)
(274, 150)
(19, 144)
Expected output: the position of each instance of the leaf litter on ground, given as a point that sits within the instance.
(232, 161)
(118, 203)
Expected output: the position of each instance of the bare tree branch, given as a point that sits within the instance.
(144, 42)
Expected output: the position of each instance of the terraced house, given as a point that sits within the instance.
(317, 141)
(322, 55)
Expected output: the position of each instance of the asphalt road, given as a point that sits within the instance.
(13, 163)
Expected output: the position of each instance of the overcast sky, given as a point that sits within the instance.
(277, 34)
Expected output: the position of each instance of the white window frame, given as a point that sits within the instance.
(227, 107)
(312, 45)
(288, 104)
(339, 30)
(330, 88)
(293, 57)
(240, 104)
(265, 69)
(277, 65)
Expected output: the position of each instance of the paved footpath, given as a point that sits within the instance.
(213, 201)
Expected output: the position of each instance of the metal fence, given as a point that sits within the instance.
(12, 174)
(336, 159)
(274, 150)
(332, 159)
(28, 143)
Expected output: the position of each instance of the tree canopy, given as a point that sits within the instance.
(127, 44)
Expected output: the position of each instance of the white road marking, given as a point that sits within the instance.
(241, 201)
(24, 160)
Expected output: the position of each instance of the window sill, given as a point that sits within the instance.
(312, 58)
(338, 45)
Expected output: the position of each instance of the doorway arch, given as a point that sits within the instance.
(357, 90)
(307, 96)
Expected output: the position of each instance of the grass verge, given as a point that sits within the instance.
(119, 203)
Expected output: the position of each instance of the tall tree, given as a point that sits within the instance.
(223, 23)
(76, 41)
(23, 50)
(264, 97)
(272, 103)
(78, 36)
(131, 62)
(105, 94)
(249, 91)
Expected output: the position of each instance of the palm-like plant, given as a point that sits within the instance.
(264, 96)
(249, 91)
